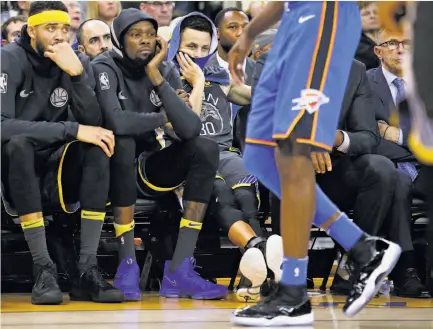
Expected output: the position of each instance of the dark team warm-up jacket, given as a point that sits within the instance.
(36, 96)
(131, 105)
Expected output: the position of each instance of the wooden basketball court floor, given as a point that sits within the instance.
(154, 312)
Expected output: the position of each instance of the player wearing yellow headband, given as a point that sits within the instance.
(44, 169)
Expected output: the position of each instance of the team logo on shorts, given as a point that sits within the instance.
(3, 83)
(103, 81)
(154, 98)
(310, 100)
(59, 97)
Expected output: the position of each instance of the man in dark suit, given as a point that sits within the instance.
(352, 176)
(388, 85)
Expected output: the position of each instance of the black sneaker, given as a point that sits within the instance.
(371, 268)
(46, 290)
(284, 306)
(91, 286)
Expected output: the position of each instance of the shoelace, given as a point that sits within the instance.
(202, 282)
(95, 272)
(360, 277)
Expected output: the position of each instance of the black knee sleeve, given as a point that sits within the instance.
(23, 184)
(95, 181)
(123, 190)
(225, 207)
(201, 175)
(247, 198)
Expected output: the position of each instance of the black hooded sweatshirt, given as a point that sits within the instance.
(129, 102)
(36, 95)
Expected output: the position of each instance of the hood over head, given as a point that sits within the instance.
(123, 22)
(174, 42)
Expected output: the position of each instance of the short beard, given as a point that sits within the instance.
(226, 46)
(40, 49)
(139, 62)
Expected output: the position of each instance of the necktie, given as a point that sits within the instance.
(407, 167)
(401, 95)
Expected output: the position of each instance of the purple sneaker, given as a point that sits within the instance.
(127, 278)
(186, 283)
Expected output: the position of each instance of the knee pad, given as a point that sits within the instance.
(226, 212)
(248, 197)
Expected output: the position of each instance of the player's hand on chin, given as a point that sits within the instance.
(321, 162)
(237, 56)
(64, 56)
(190, 70)
(152, 68)
(98, 136)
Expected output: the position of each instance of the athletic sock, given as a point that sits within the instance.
(294, 271)
(91, 225)
(34, 233)
(345, 232)
(186, 242)
(125, 234)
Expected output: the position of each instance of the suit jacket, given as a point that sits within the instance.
(357, 117)
(384, 106)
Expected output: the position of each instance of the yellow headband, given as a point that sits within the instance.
(49, 16)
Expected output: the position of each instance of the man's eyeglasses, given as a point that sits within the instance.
(393, 44)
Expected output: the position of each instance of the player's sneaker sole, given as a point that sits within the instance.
(374, 282)
(253, 267)
(303, 320)
(274, 255)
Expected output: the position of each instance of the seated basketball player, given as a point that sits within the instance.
(192, 48)
(42, 161)
(94, 37)
(136, 90)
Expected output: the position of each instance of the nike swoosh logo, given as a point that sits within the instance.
(24, 95)
(193, 225)
(173, 283)
(121, 96)
(306, 18)
(91, 215)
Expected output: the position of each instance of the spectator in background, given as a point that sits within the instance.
(75, 15)
(23, 8)
(11, 29)
(105, 11)
(370, 26)
(161, 11)
(230, 23)
(93, 37)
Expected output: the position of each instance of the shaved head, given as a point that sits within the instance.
(94, 38)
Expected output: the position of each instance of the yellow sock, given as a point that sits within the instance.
(32, 223)
(122, 229)
(190, 224)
